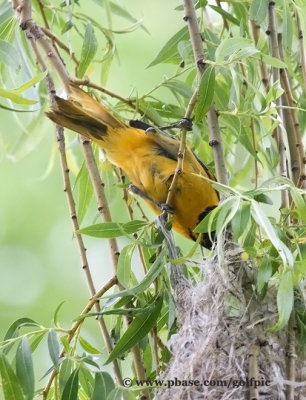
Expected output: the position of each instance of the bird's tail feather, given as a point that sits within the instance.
(83, 114)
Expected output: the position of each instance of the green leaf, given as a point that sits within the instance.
(124, 265)
(229, 46)
(71, 388)
(24, 368)
(150, 277)
(104, 384)
(205, 94)
(139, 328)
(299, 202)
(85, 193)
(264, 273)
(284, 300)
(8, 55)
(53, 346)
(169, 53)
(258, 10)
(86, 382)
(87, 346)
(264, 222)
(179, 87)
(225, 14)
(241, 220)
(228, 209)
(112, 229)
(65, 372)
(10, 385)
(273, 61)
(89, 50)
(55, 317)
(208, 224)
(12, 332)
(10, 94)
(33, 81)
(8, 29)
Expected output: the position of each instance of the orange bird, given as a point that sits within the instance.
(149, 159)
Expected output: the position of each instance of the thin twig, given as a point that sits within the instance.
(104, 211)
(253, 371)
(60, 44)
(274, 51)
(198, 52)
(291, 356)
(290, 121)
(262, 66)
(75, 327)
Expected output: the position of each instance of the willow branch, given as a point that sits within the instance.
(262, 66)
(290, 121)
(199, 58)
(291, 356)
(103, 208)
(75, 327)
(60, 44)
(253, 370)
(33, 33)
(274, 51)
(26, 23)
(302, 47)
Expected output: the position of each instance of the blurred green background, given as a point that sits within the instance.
(39, 262)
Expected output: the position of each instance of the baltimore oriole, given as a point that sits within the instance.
(149, 159)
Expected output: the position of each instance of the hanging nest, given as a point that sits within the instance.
(223, 345)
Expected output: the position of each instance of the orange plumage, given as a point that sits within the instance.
(148, 159)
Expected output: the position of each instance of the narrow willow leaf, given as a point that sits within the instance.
(229, 46)
(89, 50)
(7, 29)
(169, 53)
(179, 87)
(140, 326)
(86, 382)
(33, 81)
(10, 94)
(287, 27)
(64, 373)
(225, 14)
(85, 192)
(299, 202)
(208, 224)
(24, 368)
(10, 384)
(258, 10)
(265, 223)
(124, 265)
(241, 220)
(112, 229)
(227, 211)
(88, 347)
(8, 55)
(205, 94)
(35, 340)
(71, 388)
(104, 384)
(150, 276)
(284, 300)
(12, 332)
(54, 348)
(273, 61)
(264, 273)
(57, 310)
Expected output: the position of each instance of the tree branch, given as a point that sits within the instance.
(199, 57)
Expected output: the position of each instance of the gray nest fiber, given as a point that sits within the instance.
(221, 323)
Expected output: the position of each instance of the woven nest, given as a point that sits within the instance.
(223, 334)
